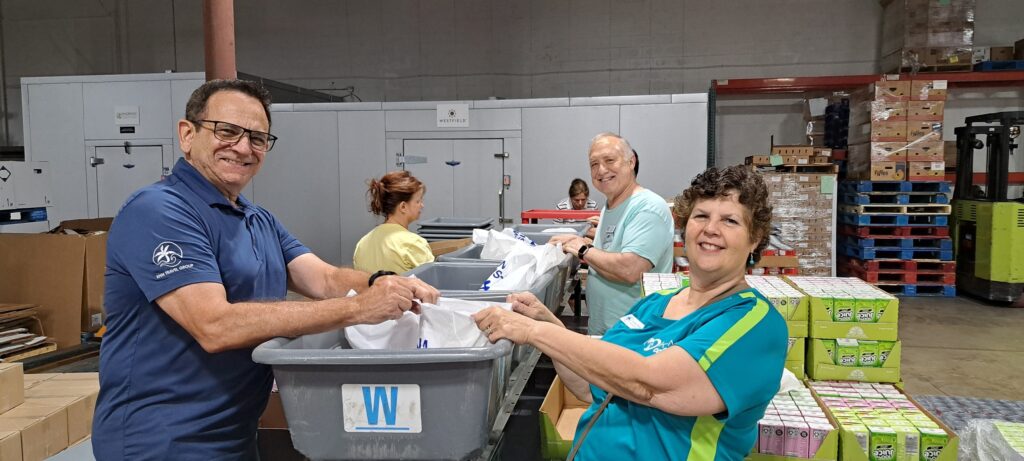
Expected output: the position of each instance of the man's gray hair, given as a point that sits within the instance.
(624, 147)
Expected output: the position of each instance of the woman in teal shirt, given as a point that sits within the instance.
(686, 373)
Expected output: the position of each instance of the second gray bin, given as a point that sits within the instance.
(458, 389)
(462, 280)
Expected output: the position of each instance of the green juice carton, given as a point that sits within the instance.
(880, 305)
(860, 432)
(830, 348)
(908, 442)
(847, 351)
(865, 310)
(884, 348)
(867, 353)
(843, 309)
(932, 443)
(881, 443)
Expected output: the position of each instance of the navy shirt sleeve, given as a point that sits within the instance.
(743, 351)
(163, 244)
(290, 246)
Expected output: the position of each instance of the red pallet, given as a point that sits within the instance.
(895, 231)
(889, 265)
(904, 276)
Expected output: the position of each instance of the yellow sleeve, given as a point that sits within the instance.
(415, 251)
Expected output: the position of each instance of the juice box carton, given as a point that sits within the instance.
(882, 443)
(932, 443)
(777, 438)
(908, 442)
(880, 305)
(830, 348)
(860, 432)
(843, 309)
(847, 351)
(867, 353)
(765, 432)
(818, 433)
(798, 439)
(884, 348)
(865, 310)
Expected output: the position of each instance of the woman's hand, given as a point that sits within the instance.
(499, 323)
(527, 304)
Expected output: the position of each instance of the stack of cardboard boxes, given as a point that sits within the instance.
(42, 414)
(896, 131)
(930, 35)
(804, 215)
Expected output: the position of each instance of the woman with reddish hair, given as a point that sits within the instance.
(391, 247)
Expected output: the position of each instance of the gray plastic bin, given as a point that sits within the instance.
(552, 299)
(462, 280)
(459, 392)
(581, 228)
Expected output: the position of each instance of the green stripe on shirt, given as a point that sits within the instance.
(734, 333)
(704, 439)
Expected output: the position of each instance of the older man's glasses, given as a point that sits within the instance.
(231, 133)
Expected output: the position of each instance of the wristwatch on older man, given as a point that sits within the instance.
(583, 250)
(377, 275)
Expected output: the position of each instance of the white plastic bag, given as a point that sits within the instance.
(522, 266)
(499, 244)
(986, 440)
(445, 324)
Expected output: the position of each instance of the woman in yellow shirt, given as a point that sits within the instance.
(398, 197)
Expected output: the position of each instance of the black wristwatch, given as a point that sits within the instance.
(583, 250)
(377, 275)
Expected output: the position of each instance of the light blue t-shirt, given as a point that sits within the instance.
(641, 225)
(740, 342)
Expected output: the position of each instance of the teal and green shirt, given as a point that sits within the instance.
(740, 342)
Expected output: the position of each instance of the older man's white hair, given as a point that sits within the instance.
(624, 148)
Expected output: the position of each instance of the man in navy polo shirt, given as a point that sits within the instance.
(195, 279)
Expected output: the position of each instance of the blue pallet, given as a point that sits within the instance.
(896, 253)
(860, 198)
(988, 66)
(23, 215)
(893, 220)
(894, 186)
(899, 243)
(947, 291)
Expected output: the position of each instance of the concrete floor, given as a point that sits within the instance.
(962, 347)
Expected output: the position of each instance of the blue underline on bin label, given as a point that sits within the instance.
(376, 428)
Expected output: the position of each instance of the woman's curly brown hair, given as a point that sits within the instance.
(719, 182)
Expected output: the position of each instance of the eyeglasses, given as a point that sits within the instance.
(229, 132)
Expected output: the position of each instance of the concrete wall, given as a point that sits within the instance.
(402, 50)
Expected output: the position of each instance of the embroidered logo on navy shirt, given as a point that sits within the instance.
(167, 254)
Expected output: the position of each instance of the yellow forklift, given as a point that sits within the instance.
(988, 226)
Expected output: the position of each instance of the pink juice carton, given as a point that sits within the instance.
(798, 435)
(819, 431)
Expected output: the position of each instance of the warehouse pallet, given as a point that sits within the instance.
(901, 276)
(22, 215)
(948, 291)
(918, 209)
(988, 66)
(894, 186)
(892, 198)
(899, 243)
(895, 231)
(919, 265)
(896, 253)
(893, 220)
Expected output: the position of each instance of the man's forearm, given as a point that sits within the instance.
(618, 267)
(343, 279)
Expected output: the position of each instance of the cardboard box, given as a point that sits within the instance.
(41, 437)
(926, 171)
(10, 445)
(35, 378)
(928, 90)
(559, 414)
(12, 386)
(877, 152)
(441, 247)
(891, 90)
(1001, 53)
(949, 153)
(926, 110)
(799, 150)
(820, 366)
(79, 413)
(926, 151)
(920, 131)
(878, 171)
(61, 273)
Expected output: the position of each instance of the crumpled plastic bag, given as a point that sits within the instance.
(497, 245)
(445, 324)
(991, 440)
(523, 265)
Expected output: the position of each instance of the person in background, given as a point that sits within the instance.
(578, 199)
(197, 277)
(634, 235)
(688, 372)
(398, 197)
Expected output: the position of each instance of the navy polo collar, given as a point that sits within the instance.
(192, 178)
